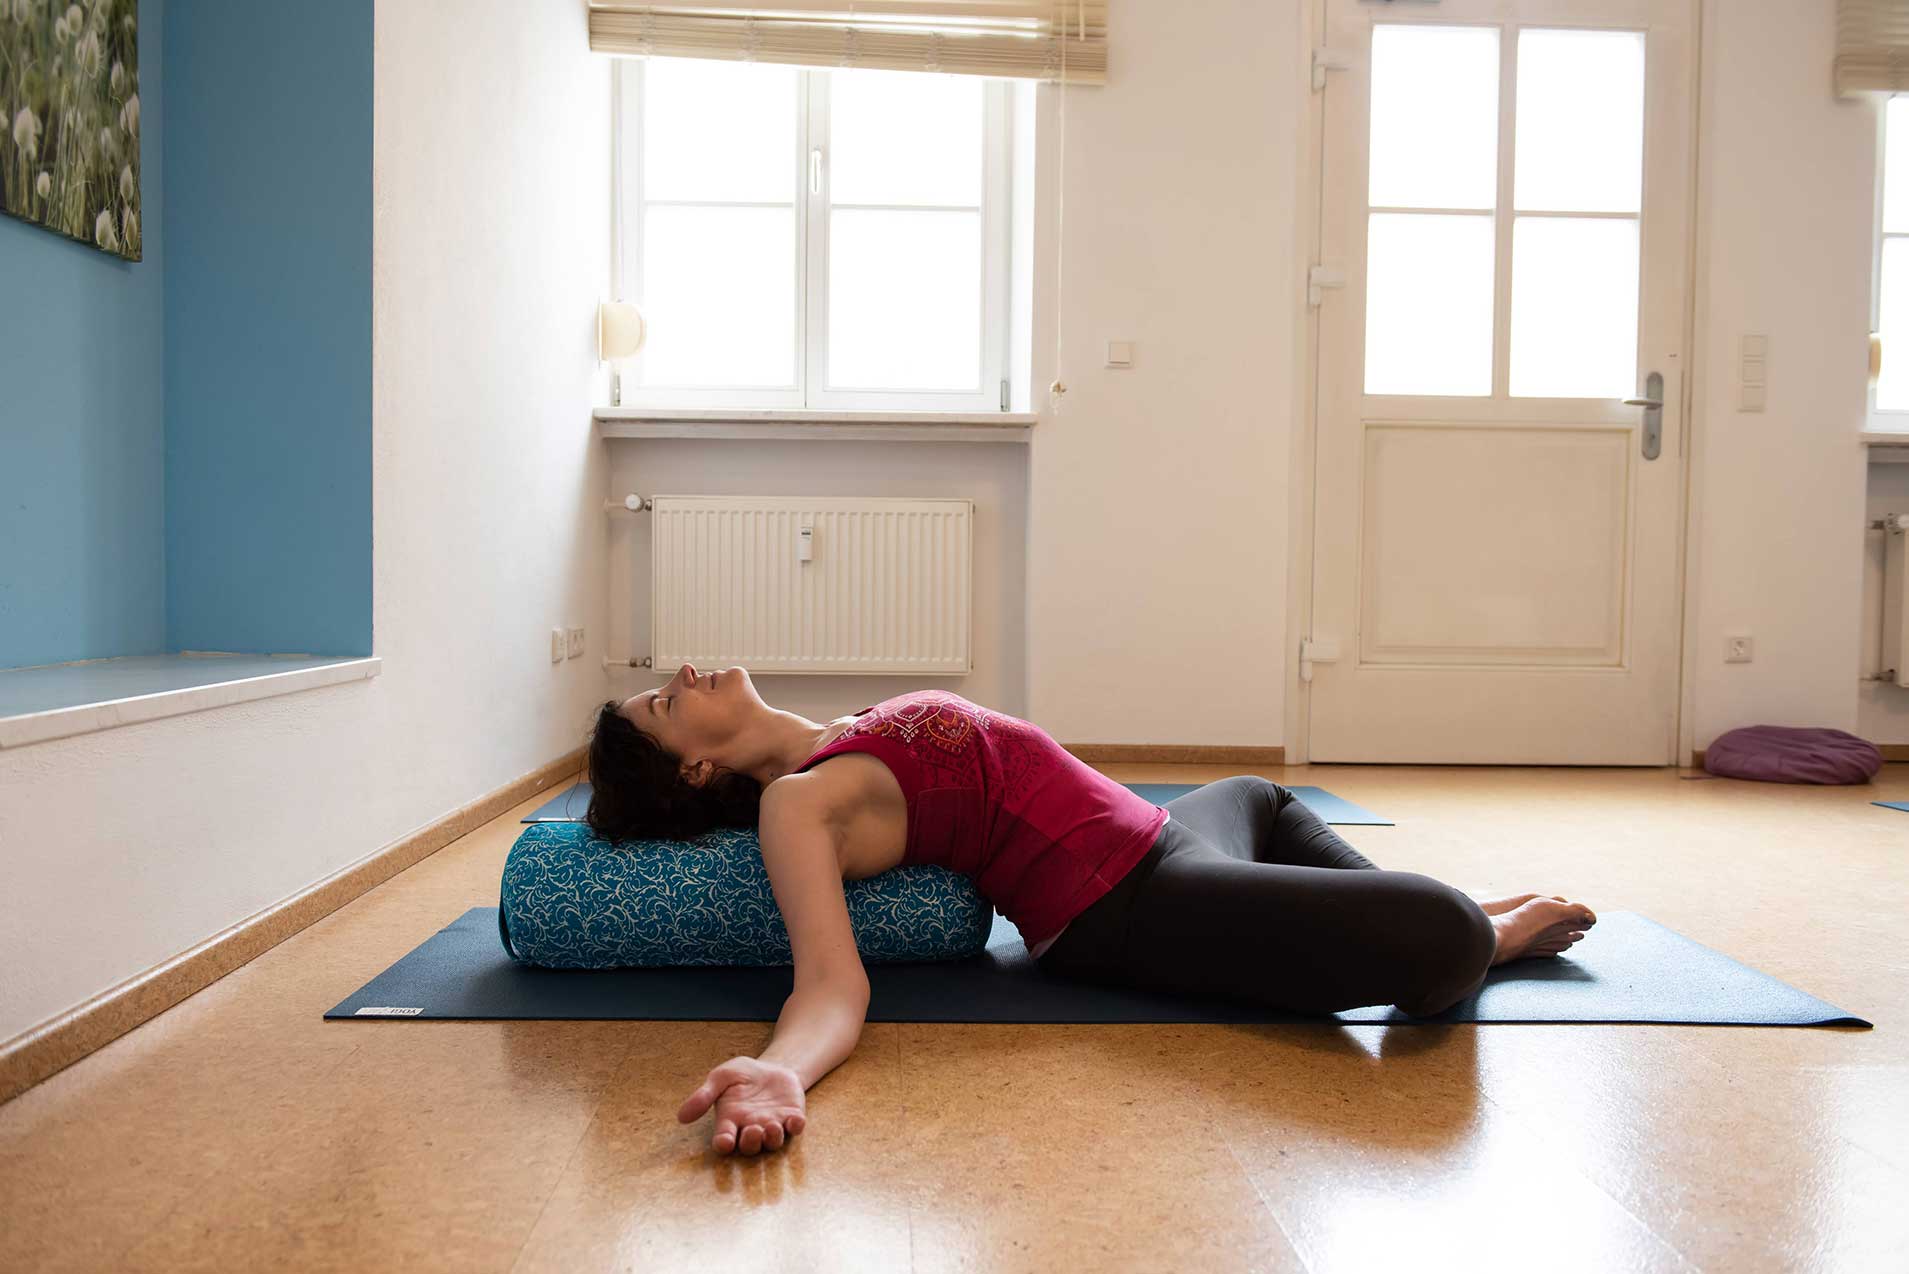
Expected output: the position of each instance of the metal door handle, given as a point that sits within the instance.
(1653, 404)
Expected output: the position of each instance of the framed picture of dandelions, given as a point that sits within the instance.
(69, 119)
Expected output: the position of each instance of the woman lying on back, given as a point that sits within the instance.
(1234, 890)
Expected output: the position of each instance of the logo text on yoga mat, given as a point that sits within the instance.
(386, 1010)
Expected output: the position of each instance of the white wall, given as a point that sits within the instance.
(1158, 540)
(1154, 511)
(491, 247)
(1788, 174)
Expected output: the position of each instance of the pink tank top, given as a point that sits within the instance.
(1042, 833)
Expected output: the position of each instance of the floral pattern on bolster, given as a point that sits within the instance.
(572, 900)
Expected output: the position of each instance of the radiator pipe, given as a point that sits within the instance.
(634, 661)
(631, 503)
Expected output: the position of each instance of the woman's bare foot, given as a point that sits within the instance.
(1498, 906)
(1539, 927)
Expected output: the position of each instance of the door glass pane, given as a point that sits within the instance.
(904, 300)
(1574, 307)
(718, 296)
(1434, 117)
(719, 130)
(901, 137)
(1895, 167)
(1892, 387)
(1428, 304)
(1580, 122)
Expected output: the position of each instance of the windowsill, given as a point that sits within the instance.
(52, 701)
(771, 423)
(1886, 446)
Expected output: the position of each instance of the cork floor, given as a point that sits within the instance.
(240, 1131)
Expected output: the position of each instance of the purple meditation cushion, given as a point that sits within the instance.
(1784, 754)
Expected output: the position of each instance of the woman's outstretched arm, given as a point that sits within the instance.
(760, 1101)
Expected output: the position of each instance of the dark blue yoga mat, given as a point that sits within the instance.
(1628, 969)
(568, 806)
(1893, 805)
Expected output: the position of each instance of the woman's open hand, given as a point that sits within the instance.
(757, 1104)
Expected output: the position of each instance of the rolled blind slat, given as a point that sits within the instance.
(1872, 46)
(1017, 38)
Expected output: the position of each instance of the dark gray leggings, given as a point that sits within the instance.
(1248, 895)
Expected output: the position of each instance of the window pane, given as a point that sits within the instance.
(1573, 307)
(719, 131)
(1580, 126)
(1434, 117)
(1892, 387)
(719, 296)
(904, 300)
(901, 137)
(1895, 167)
(1428, 304)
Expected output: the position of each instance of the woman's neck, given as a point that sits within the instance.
(793, 740)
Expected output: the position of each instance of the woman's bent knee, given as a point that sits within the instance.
(1458, 944)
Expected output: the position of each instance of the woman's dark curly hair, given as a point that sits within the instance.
(638, 792)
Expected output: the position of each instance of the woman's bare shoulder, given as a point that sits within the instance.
(833, 788)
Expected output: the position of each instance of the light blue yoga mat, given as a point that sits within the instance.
(1893, 805)
(1627, 969)
(1317, 799)
(569, 806)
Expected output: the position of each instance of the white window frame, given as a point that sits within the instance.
(810, 184)
(1893, 418)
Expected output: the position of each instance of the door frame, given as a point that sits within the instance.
(1302, 460)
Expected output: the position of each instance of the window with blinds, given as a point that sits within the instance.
(1024, 39)
(1872, 46)
(815, 238)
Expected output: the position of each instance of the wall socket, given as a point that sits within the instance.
(556, 645)
(1739, 650)
(575, 642)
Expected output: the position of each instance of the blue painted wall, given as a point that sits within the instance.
(82, 426)
(268, 326)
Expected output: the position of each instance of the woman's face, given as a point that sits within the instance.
(698, 715)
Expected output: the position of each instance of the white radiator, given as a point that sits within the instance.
(819, 584)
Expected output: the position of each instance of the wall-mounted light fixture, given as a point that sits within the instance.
(619, 336)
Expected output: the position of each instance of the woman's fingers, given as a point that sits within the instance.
(768, 1133)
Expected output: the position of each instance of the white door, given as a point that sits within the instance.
(1496, 537)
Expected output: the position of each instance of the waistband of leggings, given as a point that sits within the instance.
(1112, 906)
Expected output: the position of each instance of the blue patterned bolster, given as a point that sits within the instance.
(572, 900)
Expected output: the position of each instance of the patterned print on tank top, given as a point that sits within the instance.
(939, 720)
(948, 723)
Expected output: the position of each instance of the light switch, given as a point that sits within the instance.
(1120, 353)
